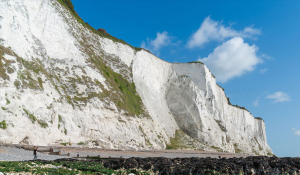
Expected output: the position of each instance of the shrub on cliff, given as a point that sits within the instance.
(3, 124)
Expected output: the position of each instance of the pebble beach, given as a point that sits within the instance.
(17, 154)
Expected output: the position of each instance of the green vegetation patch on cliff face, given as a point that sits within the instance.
(42, 123)
(33, 119)
(26, 74)
(183, 141)
(5, 65)
(123, 93)
(30, 116)
(222, 127)
(237, 149)
(176, 142)
(3, 124)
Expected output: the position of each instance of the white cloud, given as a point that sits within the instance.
(266, 57)
(162, 39)
(232, 59)
(255, 103)
(297, 133)
(251, 31)
(262, 71)
(211, 30)
(279, 97)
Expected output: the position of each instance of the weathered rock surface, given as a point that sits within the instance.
(249, 165)
(62, 82)
(198, 166)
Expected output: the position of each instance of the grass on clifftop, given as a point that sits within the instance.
(101, 32)
(196, 62)
(237, 106)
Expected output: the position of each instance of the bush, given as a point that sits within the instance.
(68, 4)
(59, 118)
(42, 123)
(258, 118)
(31, 116)
(237, 106)
(196, 62)
(27, 113)
(176, 142)
(65, 144)
(81, 143)
(3, 124)
(236, 149)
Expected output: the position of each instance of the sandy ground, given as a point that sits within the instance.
(15, 153)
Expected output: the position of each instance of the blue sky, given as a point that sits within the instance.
(252, 47)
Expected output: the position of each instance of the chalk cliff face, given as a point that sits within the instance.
(62, 82)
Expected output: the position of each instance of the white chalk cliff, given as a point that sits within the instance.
(61, 82)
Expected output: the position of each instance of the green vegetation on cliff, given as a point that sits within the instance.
(3, 124)
(121, 91)
(183, 141)
(68, 4)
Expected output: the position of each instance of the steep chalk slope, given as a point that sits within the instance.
(62, 82)
(187, 96)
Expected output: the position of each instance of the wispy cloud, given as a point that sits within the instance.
(250, 31)
(162, 39)
(297, 133)
(266, 57)
(211, 30)
(262, 71)
(232, 59)
(255, 103)
(279, 97)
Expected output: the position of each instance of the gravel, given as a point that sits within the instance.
(16, 154)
